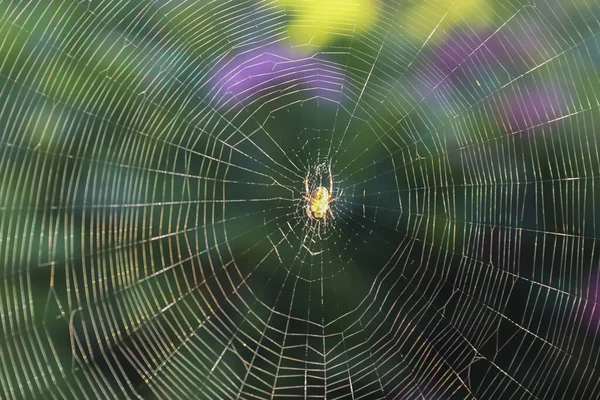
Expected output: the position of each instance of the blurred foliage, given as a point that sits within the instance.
(127, 124)
(319, 22)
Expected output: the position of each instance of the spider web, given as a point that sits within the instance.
(155, 242)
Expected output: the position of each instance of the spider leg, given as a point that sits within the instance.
(330, 181)
(330, 213)
(335, 198)
(307, 208)
(306, 185)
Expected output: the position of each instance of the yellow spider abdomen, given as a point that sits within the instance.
(319, 202)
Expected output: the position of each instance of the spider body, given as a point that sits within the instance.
(317, 202)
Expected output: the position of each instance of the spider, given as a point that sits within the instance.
(318, 201)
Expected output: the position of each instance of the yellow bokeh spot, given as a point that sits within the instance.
(320, 22)
(430, 21)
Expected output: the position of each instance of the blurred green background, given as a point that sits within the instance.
(153, 235)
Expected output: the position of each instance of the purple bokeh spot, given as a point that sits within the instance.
(532, 106)
(489, 60)
(473, 56)
(274, 70)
